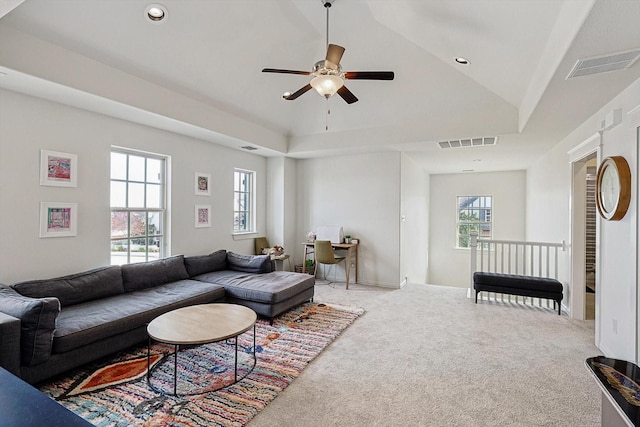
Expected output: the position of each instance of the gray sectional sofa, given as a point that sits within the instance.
(50, 326)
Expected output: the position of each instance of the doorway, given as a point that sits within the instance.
(583, 299)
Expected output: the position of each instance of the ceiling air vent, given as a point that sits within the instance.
(469, 142)
(249, 148)
(604, 64)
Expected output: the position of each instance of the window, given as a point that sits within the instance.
(243, 201)
(138, 207)
(474, 214)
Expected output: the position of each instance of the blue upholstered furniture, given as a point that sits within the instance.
(25, 406)
(50, 326)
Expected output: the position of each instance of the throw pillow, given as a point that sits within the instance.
(249, 263)
(153, 273)
(37, 323)
(81, 287)
(201, 264)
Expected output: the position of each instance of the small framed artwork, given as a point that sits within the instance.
(58, 219)
(202, 181)
(203, 216)
(58, 169)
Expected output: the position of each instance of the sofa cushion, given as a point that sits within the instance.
(270, 288)
(201, 264)
(153, 273)
(92, 321)
(249, 263)
(76, 288)
(37, 323)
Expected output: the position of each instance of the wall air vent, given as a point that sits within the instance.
(604, 64)
(469, 142)
(249, 148)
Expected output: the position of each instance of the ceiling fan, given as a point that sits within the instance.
(328, 77)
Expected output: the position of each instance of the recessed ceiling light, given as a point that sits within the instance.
(155, 13)
(462, 61)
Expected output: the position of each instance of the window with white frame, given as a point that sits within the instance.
(138, 206)
(474, 214)
(243, 201)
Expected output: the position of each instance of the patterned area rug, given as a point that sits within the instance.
(115, 392)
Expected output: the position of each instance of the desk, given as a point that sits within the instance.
(349, 247)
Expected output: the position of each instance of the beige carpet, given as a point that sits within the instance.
(427, 356)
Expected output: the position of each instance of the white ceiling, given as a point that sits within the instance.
(199, 71)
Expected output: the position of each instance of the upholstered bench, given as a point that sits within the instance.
(513, 284)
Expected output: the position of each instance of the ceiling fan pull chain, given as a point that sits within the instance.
(326, 120)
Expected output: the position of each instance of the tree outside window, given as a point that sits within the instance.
(474, 214)
(137, 207)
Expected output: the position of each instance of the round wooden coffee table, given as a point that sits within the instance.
(201, 324)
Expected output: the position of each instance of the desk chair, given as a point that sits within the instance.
(262, 243)
(324, 254)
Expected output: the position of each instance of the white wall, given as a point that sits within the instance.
(548, 197)
(361, 193)
(281, 204)
(29, 124)
(275, 201)
(414, 225)
(451, 266)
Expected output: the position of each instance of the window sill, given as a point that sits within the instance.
(244, 236)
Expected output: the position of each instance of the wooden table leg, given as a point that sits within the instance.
(357, 264)
(348, 269)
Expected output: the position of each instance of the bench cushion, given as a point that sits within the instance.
(485, 280)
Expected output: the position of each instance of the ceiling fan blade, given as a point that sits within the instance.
(369, 75)
(277, 70)
(334, 54)
(346, 94)
(297, 93)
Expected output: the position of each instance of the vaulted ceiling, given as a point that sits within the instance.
(198, 72)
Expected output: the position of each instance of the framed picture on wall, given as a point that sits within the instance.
(58, 219)
(58, 169)
(202, 181)
(203, 216)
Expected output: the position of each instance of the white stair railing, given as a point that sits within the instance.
(538, 259)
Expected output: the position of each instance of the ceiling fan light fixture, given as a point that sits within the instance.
(327, 85)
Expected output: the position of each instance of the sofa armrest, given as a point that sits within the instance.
(37, 323)
(10, 343)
